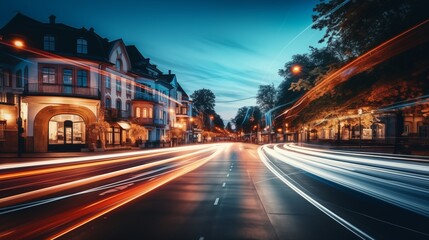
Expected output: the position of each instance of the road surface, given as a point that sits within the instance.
(216, 191)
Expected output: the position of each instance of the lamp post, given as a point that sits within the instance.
(360, 127)
(19, 44)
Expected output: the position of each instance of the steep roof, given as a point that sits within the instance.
(32, 32)
(139, 63)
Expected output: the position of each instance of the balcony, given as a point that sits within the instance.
(143, 96)
(112, 114)
(61, 90)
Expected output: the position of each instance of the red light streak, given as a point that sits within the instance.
(79, 63)
(400, 43)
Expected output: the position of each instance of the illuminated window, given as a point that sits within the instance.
(107, 79)
(150, 113)
(66, 129)
(49, 43)
(145, 112)
(138, 112)
(82, 78)
(48, 75)
(118, 85)
(19, 79)
(82, 46)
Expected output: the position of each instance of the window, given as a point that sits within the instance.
(82, 78)
(2, 130)
(49, 43)
(108, 102)
(161, 116)
(150, 113)
(118, 85)
(128, 88)
(107, 79)
(138, 112)
(19, 79)
(26, 76)
(66, 129)
(128, 108)
(48, 75)
(67, 77)
(82, 46)
(118, 65)
(118, 104)
(145, 112)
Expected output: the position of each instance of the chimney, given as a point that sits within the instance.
(169, 72)
(52, 19)
(91, 29)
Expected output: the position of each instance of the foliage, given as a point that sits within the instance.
(203, 100)
(246, 118)
(357, 26)
(137, 132)
(266, 97)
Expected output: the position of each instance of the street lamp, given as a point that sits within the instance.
(360, 127)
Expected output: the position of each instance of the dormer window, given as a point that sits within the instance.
(49, 43)
(82, 46)
(118, 65)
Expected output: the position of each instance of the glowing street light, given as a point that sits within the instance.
(296, 69)
(18, 43)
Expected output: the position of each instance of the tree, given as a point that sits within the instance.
(266, 97)
(204, 100)
(246, 118)
(358, 26)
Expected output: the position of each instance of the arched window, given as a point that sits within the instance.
(118, 65)
(145, 112)
(150, 113)
(118, 104)
(138, 112)
(128, 108)
(108, 102)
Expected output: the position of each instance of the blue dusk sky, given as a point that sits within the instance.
(230, 47)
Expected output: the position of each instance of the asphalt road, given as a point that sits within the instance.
(214, 191)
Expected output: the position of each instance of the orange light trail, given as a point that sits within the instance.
(398, 44)
(20, 44)
(26, 196)
(54, 226)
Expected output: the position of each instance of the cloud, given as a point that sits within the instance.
(229, 44)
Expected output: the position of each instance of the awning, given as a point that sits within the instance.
(124, 125)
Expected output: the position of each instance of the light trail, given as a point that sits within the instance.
(22, 197)
(300, 190)
(398, 44)
(94, 69)
(126, 190)
(404, 184)
(97, 157)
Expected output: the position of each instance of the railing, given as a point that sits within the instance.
(60, 90)
(159, 122)
(112, 114)
(143, 96)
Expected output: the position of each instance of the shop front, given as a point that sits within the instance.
(66, 133)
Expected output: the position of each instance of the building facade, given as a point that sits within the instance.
(68, 89)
